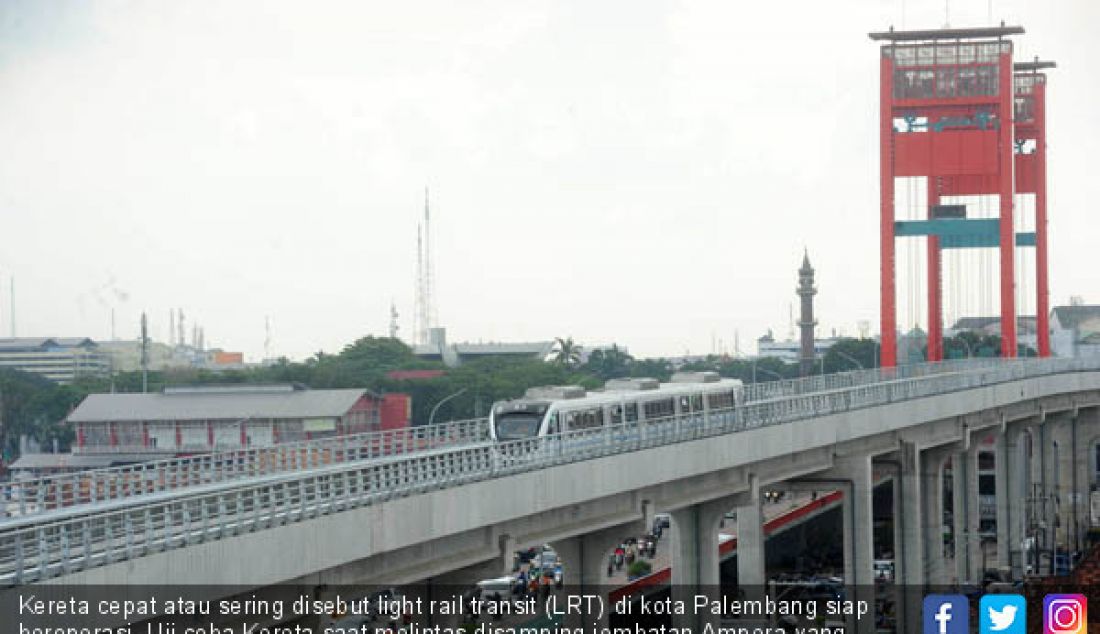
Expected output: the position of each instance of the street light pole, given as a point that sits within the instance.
(849, 358)
(431, 417)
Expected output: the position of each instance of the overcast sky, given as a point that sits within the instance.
(640, 172)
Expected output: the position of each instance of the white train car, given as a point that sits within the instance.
(548, 411)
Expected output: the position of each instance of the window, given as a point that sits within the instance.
(584, 419)
(631, 412)
(987, 484)
(659, 409)
(986, 461)
(696, 402)
(721, 400)
(616, 414)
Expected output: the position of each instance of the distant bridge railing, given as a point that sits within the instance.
(21, 498)
(35, 548)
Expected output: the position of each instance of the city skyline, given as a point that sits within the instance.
(257, 162)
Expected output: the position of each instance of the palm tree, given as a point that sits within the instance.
(566, 352)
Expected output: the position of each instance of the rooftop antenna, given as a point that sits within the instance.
(181, 330)
(429, 274)
(144, 354)
(267, 337)
(418, 316)
(393, 320)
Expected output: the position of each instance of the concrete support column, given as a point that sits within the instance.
(694, 550)
(932, 470)
(964, 482)
(584, 564)
(751, 572)
(1010, 534)
(1071, 471)
(974, 546)
(856, 480)
(1004, 504)
(908, 512)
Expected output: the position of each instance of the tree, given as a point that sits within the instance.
(566, 352)
(659, 369)
(608, 364)
(850, 354)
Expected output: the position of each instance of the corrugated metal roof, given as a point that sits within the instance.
(1072, 316)
(96, 408)
(36, 343)
(80, 461)
(532, 348)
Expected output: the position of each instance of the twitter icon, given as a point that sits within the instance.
(1002, 614)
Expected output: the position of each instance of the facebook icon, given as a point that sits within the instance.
(946, 614)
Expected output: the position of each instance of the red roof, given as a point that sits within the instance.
(404, 375)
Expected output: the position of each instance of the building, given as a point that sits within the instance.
(59, 359)
(790, 350)
(186, 420)
(437, 349)
(1026, 332)
(125, 356)
(1075, 330)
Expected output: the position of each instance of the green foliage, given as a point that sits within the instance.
(31, 405)
(639, 568)
(609, 364)
(566, 352)
(848, 354)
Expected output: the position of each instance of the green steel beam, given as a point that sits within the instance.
(961, 233)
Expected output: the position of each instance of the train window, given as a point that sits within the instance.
(616, 414)
(659, 409)
(685, 404)
(720, 400)
(585, 419)
(696, 402)
(631, 412)
(552, 425)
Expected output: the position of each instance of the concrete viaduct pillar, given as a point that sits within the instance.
(694, 550)
(1012, 480)
(854, 477)
(932, 467)
(964, 480)
(584, 563)
(1070, 467)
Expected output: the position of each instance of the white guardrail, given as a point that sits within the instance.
(21, 498)
(36, 548)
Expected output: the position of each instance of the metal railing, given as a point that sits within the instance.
(49, 548)
(21, 498)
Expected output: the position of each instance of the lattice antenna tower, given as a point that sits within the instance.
(431, 318)
(418, 312)
(267, 337)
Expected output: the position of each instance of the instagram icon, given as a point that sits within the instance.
(1065, 614)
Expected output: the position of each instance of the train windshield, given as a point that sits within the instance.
(517, 426)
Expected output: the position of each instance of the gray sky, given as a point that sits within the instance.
(639, 172)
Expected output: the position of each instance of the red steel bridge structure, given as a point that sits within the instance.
(956, 110)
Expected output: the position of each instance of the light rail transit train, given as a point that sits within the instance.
(553, 410)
